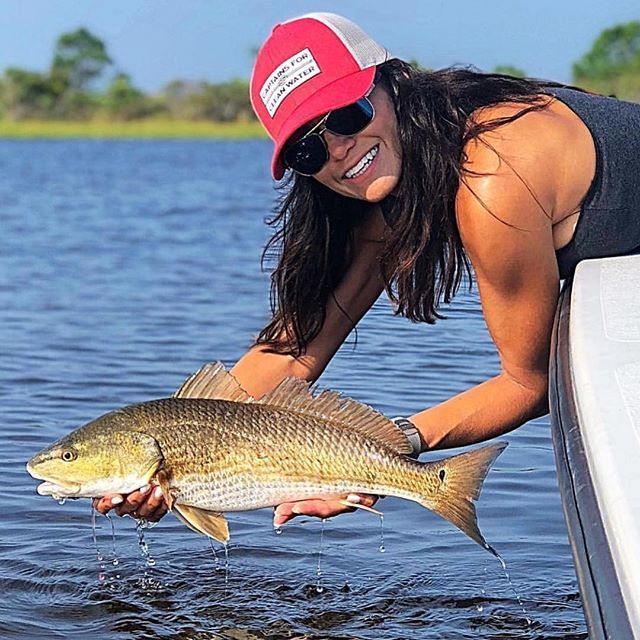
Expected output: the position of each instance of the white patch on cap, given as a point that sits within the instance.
(292, 73)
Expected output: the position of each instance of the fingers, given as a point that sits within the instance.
(147, 503)
(319, 508)
(105, 504)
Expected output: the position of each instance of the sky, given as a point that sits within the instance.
(156, 41)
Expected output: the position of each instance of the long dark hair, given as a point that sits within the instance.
(423, 261)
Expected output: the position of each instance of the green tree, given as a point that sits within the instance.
(27, 94)
(79, 58)
(224, 102)
(510, 70)
(227, 101)
(179, 96)
(612, 66)
(122, 100)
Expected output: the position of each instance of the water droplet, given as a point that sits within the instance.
(319, 588)
(226, 567)
(382, 548)
(216, 562)
(278, 530)
(480, 608)
(115, 562)
(61, 500)
(141, 524)
(508, 577)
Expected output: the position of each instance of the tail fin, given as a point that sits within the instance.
(460, 481)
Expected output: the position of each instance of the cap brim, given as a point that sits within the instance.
(333, 96)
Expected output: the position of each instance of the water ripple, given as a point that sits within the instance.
(126, 270)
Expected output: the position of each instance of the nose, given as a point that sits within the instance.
(337, 145)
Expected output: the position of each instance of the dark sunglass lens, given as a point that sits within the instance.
(307, 156)
(350, 119)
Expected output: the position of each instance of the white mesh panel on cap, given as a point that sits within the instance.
(365, 50)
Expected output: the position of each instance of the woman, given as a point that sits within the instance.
(402, 180)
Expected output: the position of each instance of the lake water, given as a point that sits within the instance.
(126, 265)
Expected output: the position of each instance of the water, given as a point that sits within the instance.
(126, 265)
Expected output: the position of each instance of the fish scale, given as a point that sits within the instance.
(227, 457)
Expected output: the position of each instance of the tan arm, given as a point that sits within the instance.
(508, 237)
(259, 371)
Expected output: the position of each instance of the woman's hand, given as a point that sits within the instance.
(319, 508)
(147, 503)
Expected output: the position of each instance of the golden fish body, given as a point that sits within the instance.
(232, 453)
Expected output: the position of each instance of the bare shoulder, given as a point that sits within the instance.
(533, 168)
(509, 192)
(522, 136)
(518, 119)
(506, 172)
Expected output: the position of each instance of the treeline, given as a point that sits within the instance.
(611, 67)
(81, 84)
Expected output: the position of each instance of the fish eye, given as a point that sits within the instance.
(68, 455)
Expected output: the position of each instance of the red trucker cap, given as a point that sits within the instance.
(307, 67)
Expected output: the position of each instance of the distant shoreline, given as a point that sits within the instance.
(130, 130)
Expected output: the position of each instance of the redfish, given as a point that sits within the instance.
(214, 449)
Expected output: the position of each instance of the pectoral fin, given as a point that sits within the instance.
(208, 523)
(162, 478)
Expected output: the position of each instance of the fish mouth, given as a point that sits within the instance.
(49, 488)
(58, 491)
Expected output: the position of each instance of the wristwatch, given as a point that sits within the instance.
(411, 432)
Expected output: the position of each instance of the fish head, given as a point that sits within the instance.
(105, 456)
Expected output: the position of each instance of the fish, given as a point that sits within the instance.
(212, 449)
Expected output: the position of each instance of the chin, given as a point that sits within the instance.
(380, 188)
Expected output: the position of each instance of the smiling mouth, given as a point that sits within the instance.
(362, 164)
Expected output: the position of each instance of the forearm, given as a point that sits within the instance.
(482, 412)
(259, 371)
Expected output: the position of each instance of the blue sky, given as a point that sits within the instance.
(156, 41)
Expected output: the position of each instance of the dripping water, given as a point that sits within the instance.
(508, 577)
(216, 560)
(480, 606)
(319, 587)
(141, 525)
(148, 582)
(382, 548)
(226, 566)
(114, 559)
(99, 556)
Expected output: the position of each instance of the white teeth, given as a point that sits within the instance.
(365, 161)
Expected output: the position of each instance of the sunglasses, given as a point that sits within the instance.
(308, 154)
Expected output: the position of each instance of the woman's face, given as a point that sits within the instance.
(350, 170)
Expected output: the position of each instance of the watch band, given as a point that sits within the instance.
(411, 432)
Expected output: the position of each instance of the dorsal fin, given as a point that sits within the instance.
(294, 394)
(213, 382)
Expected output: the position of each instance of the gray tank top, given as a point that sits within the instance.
(609, 223)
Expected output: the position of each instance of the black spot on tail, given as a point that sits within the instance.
(442, 475)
